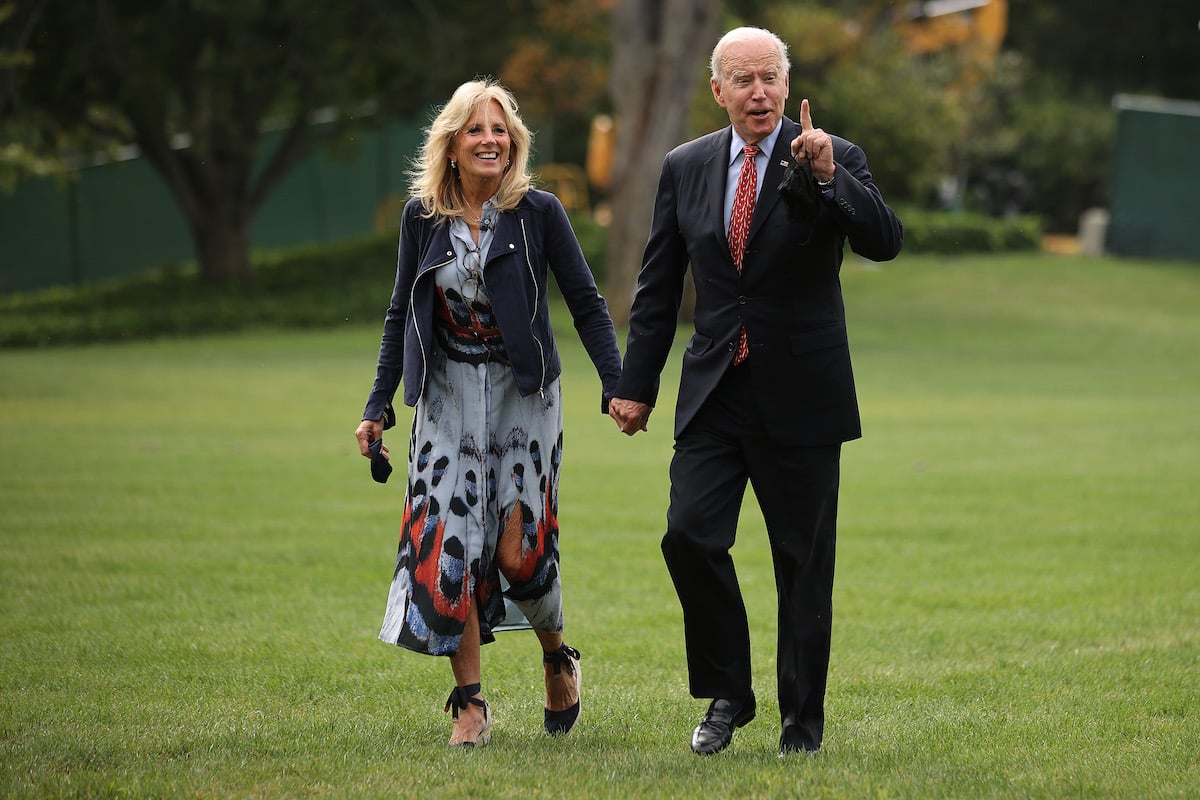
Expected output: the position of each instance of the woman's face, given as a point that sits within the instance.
(482, 146)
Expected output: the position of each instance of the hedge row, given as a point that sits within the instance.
(949, 233)
(322, 286)
(345, 283)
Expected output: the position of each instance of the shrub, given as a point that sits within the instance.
(325, 285)
(957, 232)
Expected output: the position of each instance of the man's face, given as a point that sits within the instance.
(753, 88)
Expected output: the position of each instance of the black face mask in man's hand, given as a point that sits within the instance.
(799, 191)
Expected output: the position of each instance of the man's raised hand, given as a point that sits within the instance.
(815, 145)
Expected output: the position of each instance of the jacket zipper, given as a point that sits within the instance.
(537, 299)
(417, 328)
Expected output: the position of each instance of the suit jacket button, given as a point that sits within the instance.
(731, 346)
(742, 300)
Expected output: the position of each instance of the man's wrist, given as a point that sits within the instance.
(828, 188)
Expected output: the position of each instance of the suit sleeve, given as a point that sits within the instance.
(872, 228)
(654, 315)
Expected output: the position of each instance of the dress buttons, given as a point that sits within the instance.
(742, 300)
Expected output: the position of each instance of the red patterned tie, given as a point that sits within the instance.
(739, 226)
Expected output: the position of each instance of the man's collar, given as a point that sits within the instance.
(766, 145)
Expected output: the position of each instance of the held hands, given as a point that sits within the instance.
(630, 415)
(815, 145)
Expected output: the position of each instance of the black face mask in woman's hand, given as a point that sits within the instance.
(381, 468)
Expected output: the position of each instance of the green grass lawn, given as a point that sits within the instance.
(194, 563)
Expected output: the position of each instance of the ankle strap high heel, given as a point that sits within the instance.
(460, 697)
(560, 723)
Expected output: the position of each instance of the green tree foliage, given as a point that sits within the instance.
(1035, 147)
(1052, 120)
(1098, 48)
(558, 69)
(194, 84)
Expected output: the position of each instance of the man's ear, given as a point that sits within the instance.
(716, 90)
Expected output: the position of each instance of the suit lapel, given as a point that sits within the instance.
(716, 168)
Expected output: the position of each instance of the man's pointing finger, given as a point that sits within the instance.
(805, 116)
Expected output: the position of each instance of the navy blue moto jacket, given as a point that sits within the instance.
(531, 240)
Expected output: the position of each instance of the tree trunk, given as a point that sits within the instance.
(220, 216)
(218, 193)
(223, 248)
(210, 187)
(659, 50)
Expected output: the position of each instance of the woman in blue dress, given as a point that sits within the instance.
(468, 333)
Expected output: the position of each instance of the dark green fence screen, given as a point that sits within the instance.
(118, 218)
(1156, 179)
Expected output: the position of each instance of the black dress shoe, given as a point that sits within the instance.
(715, 731)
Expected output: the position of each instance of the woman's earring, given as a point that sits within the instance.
(453, 164)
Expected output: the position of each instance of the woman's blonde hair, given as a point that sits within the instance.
(432, 179)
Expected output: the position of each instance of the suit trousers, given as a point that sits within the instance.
(725, 446)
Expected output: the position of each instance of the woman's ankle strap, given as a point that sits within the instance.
(460, 696)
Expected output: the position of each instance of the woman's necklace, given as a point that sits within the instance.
(477, 226)
(472, 219)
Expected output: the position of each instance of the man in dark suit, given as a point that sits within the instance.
(766, 392)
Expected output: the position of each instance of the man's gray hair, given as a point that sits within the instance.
(742, 35)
